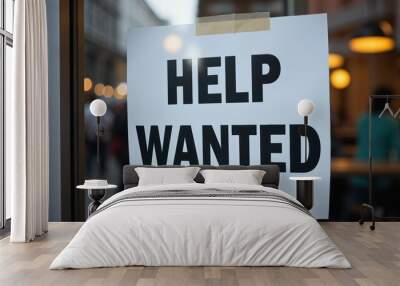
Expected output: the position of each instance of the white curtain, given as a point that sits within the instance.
(27, 123)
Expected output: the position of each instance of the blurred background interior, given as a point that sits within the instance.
(364, 59)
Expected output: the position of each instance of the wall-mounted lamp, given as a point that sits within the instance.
(98, 108)
(305, 108)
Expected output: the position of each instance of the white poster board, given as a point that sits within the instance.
(232, 98)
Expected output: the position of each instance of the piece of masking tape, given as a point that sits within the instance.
(233, 23)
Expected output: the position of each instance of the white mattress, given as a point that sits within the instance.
(200, 231)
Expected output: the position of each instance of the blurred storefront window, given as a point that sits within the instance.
(106, 27)
(365, 61)
(354, 25)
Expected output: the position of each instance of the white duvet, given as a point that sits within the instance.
(199, 231)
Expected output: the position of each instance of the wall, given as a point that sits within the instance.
(53, 17)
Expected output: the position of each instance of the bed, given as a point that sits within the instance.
(197, 224)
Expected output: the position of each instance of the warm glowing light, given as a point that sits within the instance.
(172, 43)
(386, 27)
(335, 61)
(340, 78)
(119, 96)
(121, 91)
(372, 44)
(108, 91)
(99, 89)
(87, 84)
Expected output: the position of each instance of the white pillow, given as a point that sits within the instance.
(248, 177)
(166, 176)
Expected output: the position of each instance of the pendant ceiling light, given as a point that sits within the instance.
(371, 39)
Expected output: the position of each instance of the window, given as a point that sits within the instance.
(6, 63)
(105, 78)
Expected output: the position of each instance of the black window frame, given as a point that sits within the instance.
(71, 109)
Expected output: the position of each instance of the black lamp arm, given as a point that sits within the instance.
(100, 129)
(99, 132)
(305, 138)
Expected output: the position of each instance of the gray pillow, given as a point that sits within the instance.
(248, 177)
(166, 176)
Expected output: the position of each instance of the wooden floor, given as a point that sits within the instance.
(375, 257)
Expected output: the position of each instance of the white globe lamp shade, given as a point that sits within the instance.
(98, 107)
(305, 107)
